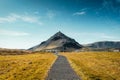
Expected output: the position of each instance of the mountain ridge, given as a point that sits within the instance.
(58, 41)
(104, 44)
(61, 42)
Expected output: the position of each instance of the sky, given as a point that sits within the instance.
(26, 23)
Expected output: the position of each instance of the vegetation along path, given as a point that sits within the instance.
(61, 70)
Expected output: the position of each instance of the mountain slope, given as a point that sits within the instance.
(104, 44)
(60, 42)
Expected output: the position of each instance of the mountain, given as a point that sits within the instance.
(59, 42)
(104, 44)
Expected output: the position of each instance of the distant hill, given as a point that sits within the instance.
(104, 44)
(5, 51)
(59, 42)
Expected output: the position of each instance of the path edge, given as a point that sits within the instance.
(50, 67)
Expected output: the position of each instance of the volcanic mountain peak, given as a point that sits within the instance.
(59, 35)
(58, 41)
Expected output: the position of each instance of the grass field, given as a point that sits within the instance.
(96, 65)
(25, 67)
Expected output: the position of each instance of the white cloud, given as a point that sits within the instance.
(80, 13)
(14, 17)
(7, 19)
(12, 33)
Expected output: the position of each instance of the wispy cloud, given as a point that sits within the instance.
(95, 35)
(13, 33)
(80, 13)
(105, 36)
(109, 10)
(15, 17)
(7, 19)
(51, 14)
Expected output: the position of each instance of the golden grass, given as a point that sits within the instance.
(96, 65)
(25, 67)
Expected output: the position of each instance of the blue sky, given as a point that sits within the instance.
(26, 23)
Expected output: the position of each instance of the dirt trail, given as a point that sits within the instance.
(61, 70)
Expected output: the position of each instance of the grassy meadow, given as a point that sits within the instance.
(95, 65)
(88, 65)
(25, 67)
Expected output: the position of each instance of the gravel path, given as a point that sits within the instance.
(61, 70)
